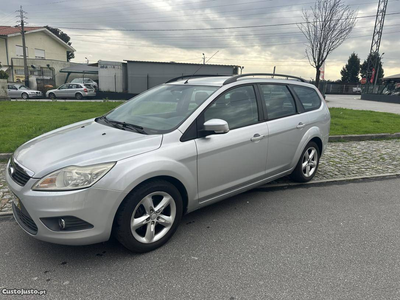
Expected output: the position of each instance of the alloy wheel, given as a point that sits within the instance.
(310, 162)
(153, 217)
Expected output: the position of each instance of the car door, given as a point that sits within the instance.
(71, 90)
(61, 92)
(12, 91)
(286, 125)
(237, 158)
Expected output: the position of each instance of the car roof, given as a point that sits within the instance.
(219, 81)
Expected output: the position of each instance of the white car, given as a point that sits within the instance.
(18, 90)
(175, 148)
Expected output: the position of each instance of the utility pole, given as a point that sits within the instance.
(204, 59)
(22, 25)
(376, 42)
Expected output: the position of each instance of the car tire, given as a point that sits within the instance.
(308, 163)
(52, 96)
(149, 216)
(78, 96)
(25, 96)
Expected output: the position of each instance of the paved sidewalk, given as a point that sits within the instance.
(355, 102)
(341, 160)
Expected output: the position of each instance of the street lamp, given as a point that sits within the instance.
(241, 69)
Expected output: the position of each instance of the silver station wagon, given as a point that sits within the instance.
(72, 90)
(175, 148)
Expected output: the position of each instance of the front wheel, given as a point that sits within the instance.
(149, 216)
(308, 163)
(24, 96)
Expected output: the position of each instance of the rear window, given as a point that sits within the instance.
(308, 97)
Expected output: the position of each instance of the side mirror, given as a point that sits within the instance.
(216, 126)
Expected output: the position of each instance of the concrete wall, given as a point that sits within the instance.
(145, 75)
(3, 89)
(39, 40)
(112, 76)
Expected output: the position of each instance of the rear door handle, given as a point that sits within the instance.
(300, 125)
(257, 137)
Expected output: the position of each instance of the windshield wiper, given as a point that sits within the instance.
(124, 125)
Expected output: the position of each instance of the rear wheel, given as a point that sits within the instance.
(24, 96)
(149, 216)
(78, 96)
(308, 163)
(52, 96)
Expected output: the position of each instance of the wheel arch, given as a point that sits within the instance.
(312, 135)
(174, 181)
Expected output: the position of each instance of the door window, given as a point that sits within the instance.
(278, 100)
(308, 97)
(238, 107)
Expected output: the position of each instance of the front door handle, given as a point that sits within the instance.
(300, 125)
(257, 137)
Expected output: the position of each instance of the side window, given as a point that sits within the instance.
(238, 107)
(308, 97)
(278, 100)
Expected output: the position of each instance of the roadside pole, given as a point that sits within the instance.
(22, 23)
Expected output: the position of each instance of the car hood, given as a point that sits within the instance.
(83, 143)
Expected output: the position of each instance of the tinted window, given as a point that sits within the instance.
(308, 97)
(278, 100)
(238, 107)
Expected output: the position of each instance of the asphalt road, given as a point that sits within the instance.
(314, 242)
(355, 102)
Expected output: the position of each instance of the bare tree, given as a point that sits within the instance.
(326, 27)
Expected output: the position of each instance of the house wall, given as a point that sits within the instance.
(39, 40)
(145, 75)
(3, 55)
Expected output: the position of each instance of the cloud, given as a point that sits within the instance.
(259, 49)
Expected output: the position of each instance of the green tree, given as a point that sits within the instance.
(363, 69)
(351, 70)
(3, 75)
(64, 37)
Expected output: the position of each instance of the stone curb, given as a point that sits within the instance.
(363, 137)
(333, 138)
(288, 184)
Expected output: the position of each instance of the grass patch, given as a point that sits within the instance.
(22, 121)
(348, 121)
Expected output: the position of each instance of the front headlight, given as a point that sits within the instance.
(73, 178)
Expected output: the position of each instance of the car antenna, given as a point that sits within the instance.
(187, 80)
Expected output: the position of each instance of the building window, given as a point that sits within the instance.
(19, 51)
(19, 72)
(39, 53)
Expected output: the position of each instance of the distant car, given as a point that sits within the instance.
(71, 90)
(18, 90)
(85, 81)
(357, 90)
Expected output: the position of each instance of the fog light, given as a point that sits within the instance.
(61, 223)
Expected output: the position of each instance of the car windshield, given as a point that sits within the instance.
(162, 108)
(23, 87)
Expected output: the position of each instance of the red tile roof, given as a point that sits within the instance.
(7, 30)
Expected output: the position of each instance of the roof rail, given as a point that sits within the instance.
(193, 76)
(235, 78)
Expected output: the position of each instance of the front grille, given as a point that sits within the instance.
(24, 219)
(17, 173)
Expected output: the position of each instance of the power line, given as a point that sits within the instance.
(209, 28)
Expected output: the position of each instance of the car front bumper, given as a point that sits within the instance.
(93, 205)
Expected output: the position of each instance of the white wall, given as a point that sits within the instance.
(39, 40)
(111, 76)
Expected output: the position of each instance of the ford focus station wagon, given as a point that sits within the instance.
(135, 171)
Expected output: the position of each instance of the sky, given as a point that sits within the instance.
(182, 30)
